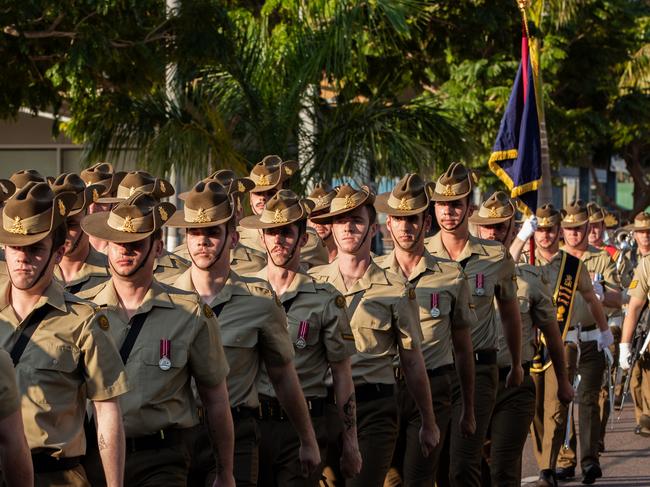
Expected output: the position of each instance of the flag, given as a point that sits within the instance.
(516, 157)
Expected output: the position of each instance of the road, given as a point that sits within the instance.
(625, 462)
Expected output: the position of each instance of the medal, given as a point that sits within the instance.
(303, 330)
(435, 311)
(480, 290)
(165, 362)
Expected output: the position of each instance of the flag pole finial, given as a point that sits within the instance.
(523, 5)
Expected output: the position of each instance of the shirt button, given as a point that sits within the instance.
(55, 361)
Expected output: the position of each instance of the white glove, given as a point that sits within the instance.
(624, 356)
(605, 339)
(599, 290)
(528, 228)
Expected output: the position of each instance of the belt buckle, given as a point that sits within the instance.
(475, 356)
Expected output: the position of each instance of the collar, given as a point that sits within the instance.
(156, 296)
(374, 275)
(473, 246)
(96, 264)
(53, 295)
(301, 283)
(234, 286)
(427, 263)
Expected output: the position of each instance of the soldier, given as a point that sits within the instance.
(560, 268)
(638, 292)
(385, 322)
(13, 445)
(269, 176)
(319, 328)
(81, 267)
(167, 264)
(515, 406)
(446, 318)
(322, 195)
(253, 326)
(167, 337)
(593, 339)
(491, 273)
(59, 345)
(7, 189)
(101, 173)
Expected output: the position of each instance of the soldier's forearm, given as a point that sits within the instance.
(613, 299)
(597, 311)
(417, 381)
(14, 452)
(220, 426)
(511, 323)
(345, 400)
(110, 440)
(631, 319)
(464, 359)
(516, 248)
(555, 347)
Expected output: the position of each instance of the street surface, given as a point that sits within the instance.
(625, 462)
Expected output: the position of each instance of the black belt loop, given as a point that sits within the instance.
(44, 463)
(164, 438)
(485, 357)
(270, 408)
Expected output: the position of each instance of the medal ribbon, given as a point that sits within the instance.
(434, 300)
(479, 280)
(303, 330)
(165, 348)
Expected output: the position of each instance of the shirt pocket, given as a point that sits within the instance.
(57, 375)
(373, 333)
(178, 356)
(428, 323)
(238, 336)
(313, 331)
(482, 297)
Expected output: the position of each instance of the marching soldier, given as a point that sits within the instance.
(319, 328)
(13, 445)
(7, 189)
(593, 340)
(167, 264)
(322, 195)
(81, 266)
(491, 273)
(638, 292)
(515, 406)
(385, 322)
(59, 345)
(101, 173)
(446, 317)
(269, 176)
(565, 272)
(166, 338)
(253, 327)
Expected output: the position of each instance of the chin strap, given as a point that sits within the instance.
(417, 237)
(142, 263)
(291, 254)
(219, 254)
(459, 223)
(40, 274)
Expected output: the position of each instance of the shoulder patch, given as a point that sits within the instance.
(633, 284)
(340, 301)
(207, 311)
(103, 322)
(411, 293)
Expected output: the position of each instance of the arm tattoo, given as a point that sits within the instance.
(349, 412)
(102, 443)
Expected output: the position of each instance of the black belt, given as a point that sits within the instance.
(504, 371)
(485, 357)
(437, 372)
(270, 408)
(372, 392)
(44, 463)
(585, 328)
(238, 412)
(161, 439)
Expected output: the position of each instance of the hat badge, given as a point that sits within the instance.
(263, 180)
(201, 217)
(320, 201)
(404, 205)
(61, 208)
(349, 202)
(545, 221)
(18, 227)
(448, 191)
(493, 213)
(131, 190)
(127, 226)
(570, 219)
(163, 213)
(278, 217)
(288, 171)
(240, 187)
(95, 195)
(162, 187)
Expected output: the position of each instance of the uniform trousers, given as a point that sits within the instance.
(410, 467)
(466, 453)
(203, 467)
(603, 399)
(279, 445)
(640, 387)
(591, 369)
(549, 422)
(74, 477)
(513, 413)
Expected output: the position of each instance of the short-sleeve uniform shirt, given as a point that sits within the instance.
(640, 285)
(253, 328)
(9, 398)
(320, 331)
(441, 282)
(243, 260)
(536, 308)
(163, 398)
(383, 315)
(490, 272)
(168, 265)
(69, 358)
(93, 272)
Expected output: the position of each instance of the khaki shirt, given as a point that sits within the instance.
(253, 327)
(168, 265)
(328, 337)
(93, 272)
(163, 399)
(495, 264)
(9, 398)
(313, 254)
(69, 358)
(383, 315)
(243, 260)
(447, 279)
(537, 309)
(550, 273)
(640, 286)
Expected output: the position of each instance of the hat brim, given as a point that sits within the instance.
(597, 220)
(327, 217)
(177, 220)
(481, 220)
(253, 222)
(441, 197)
(88, 198)
(632, 228)
(110, 200)
(573, 225)
(382, 206)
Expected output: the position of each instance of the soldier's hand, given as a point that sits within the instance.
(429, 439)
(565, 391)
(224, 480)
(351, 461)
(309, 458)
(624, 356)
(515, 376)
(467, 423)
